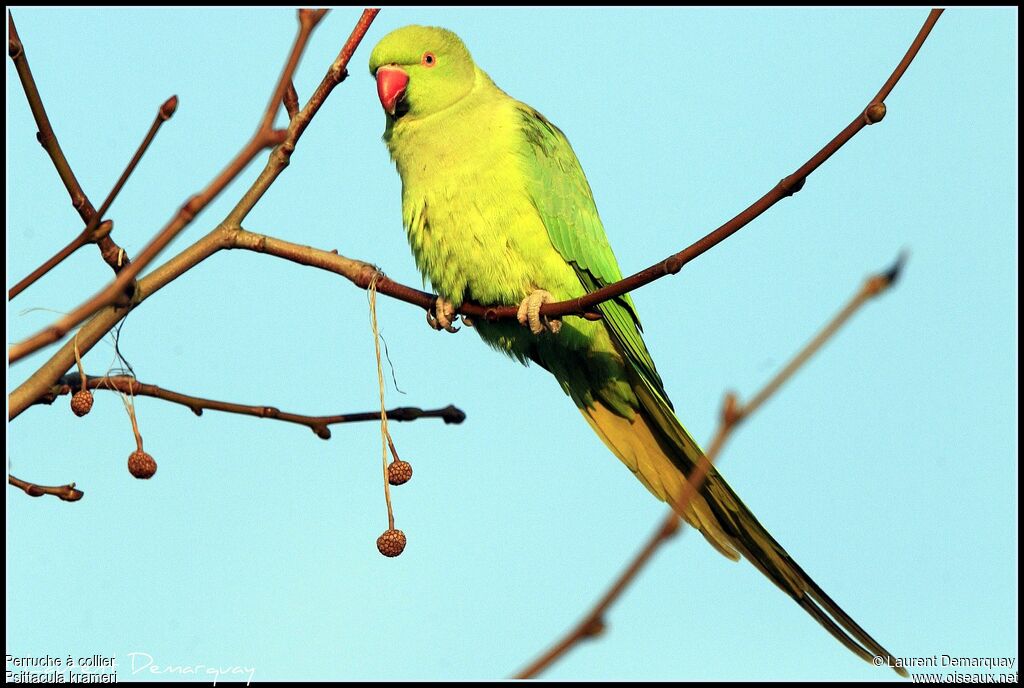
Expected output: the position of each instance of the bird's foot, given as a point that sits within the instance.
(442, 315)
(529, 313)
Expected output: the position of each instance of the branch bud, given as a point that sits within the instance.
(169, 107)
(594, 628)
(874, 113)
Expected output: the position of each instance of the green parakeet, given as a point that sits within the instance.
(498, 211)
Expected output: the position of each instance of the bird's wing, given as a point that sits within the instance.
(561, 194)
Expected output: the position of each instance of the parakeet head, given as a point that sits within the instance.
(421, 70)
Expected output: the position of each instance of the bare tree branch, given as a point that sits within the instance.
(219, 238)
(265, 137)
(48, 139)
(732, 415)
(93, 331)
(66, 492)
(92, 233)
(281, 156)
(360, 273)
(318, 424)
(60, 256)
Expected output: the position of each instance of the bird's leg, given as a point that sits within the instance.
(442, 315)
(529, 313)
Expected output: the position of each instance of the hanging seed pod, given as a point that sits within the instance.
(391, 543)
(81, 402)
(141, 465)
(399, 472)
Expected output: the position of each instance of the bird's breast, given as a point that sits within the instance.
(472, 226)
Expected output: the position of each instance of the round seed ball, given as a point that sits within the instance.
(81, 402)
(391, 543)
(399, 472)
(141, 465)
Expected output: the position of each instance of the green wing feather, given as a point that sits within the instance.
(562, 196)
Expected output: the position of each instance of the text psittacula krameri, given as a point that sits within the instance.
(498, 211)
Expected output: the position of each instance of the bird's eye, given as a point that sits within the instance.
(429, 59)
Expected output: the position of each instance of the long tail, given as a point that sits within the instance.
(660, 452)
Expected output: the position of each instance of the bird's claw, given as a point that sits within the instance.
(442, 315)
(529, 313)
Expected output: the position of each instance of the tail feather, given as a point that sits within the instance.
(660, 452)
(637, 447)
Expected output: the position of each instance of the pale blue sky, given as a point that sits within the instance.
(887, 468)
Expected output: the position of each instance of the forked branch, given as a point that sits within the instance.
(109, 250)
(94, 230)
(265, 137)
(107, 317)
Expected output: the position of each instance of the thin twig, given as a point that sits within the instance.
(48, 139)
(318, 424)
(264, 137)
(166, 111)
(592, 624)
(732, 415)
(92, 233)
(281, 156)
(60, 256)
(358, 272)
(69, 493)
(290, 100)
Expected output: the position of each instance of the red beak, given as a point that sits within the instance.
(391, 83)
